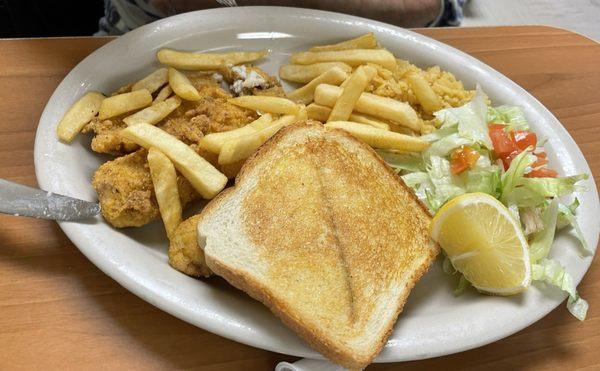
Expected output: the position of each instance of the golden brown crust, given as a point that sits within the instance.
(126, 193)
(273, 141)
(256, 289)
(388, 167)
(313, 336)
(184, 253)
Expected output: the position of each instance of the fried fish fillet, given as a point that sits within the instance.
(189, 122)
(126, 193)
(124, 186)
(184, 253)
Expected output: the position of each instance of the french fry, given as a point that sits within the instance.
(354, 57)
(164, 179)
(305, 73)
(403, 130)
(378, 138)
(206, 61)
(427, 129)
(231, 170)
(266, 104)
(302, 114)
(371, 104)
(321, 113)
(214, 142)
(204, 177)
(78, 116)
(242, 147)
(305, 94)
(153, 81)
(318, 112)
(155, 113)
(182, 86)
(353, 88)
(384, 73)
(366, 41)
(163, 94)
(368, 120)
(122, 103)
(425, 95)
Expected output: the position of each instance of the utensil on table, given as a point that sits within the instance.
(307, 364)
(21, 200)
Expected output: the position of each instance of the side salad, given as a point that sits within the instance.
(492, 150)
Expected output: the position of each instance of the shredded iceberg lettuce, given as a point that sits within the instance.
(470, 119)
(462, 283)
(531, 219)
(420, 183)
(554, 187)
(530, 192)
(461, 286)
(447, 266)
(439, 134)
(444, 187)
(511, 115)
(532, 201)
(402, 161)
(541, 242)
(551, 272)
(514, 175)
(483, 176)
(566, 213)
(563, 221)
(444, 146)
(436, 185)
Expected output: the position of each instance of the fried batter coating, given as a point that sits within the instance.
(124, 185)
(126, 193)
(184, 253)
(211, 114)
(189, 122)
(107, 138)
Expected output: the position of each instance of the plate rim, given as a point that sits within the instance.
(166, 304)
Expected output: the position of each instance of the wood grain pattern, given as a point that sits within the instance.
(58, 311)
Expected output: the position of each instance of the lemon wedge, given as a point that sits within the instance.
(484, 242)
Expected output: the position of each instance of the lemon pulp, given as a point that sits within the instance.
(484, 242)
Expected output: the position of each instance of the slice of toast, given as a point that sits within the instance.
(325, 234)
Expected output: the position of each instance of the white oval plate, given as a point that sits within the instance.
(433, 323)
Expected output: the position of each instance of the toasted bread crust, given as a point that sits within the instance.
(258, 291)
(248, 165)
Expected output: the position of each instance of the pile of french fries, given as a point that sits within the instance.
(154, 97)
(335, 78)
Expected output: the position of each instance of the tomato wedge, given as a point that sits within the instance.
(463, 158)
(507, 146)
(524, 139)
(541, 173)
(506, 160)
(541, 161)
(503, 144)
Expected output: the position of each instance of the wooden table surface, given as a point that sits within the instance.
(58, 311)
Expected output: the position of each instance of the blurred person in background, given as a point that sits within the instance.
(35, 18)
(122, 16)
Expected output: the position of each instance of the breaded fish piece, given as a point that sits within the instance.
(124, 186)
(126, 193)
(184, 253)
(211, 114)
(189, 122)
(107, 138)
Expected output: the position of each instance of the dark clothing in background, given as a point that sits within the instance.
(43, 18)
